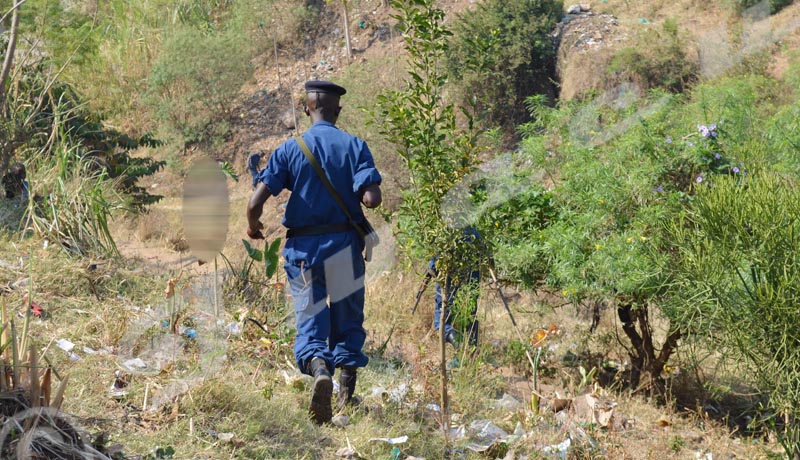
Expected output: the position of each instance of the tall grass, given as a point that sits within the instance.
(72, 201)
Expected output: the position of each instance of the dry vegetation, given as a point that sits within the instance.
(232, 391)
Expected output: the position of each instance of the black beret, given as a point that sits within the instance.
(322, 86)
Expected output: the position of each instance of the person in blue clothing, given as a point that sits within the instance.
(463, 290)
(323, 253)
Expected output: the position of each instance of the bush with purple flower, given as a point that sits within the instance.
(708, 131)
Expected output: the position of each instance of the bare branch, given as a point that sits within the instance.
(12, 45)
(13, 8)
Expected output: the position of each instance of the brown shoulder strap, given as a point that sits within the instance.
(324, 178)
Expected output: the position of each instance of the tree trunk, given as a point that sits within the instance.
(347, 44)
(445, 402)
(644, 361)
(9, 58)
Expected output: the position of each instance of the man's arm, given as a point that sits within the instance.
(255, 207)
(372, 196)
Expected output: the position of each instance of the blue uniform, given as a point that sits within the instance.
(324, 266)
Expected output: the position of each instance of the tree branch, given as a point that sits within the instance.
(12, 45)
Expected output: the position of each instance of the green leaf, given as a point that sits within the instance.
(255, 254)
(271, 256)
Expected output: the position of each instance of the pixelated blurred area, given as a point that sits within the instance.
(206, 208)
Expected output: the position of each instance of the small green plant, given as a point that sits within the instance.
(677, 444)
(161, 453)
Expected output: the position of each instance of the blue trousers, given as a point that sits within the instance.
(329, 310)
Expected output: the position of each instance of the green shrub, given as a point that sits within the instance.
(197, 79)
(663, 63)
(774, 5)
(500, 53)
(738, 278)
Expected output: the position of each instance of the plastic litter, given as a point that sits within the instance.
(398, 394)
(234, 328)
(559, 450)
(486, 432)
(391, 441)
(507, 402)
(118, 388)
(134, 364)
(65, 345)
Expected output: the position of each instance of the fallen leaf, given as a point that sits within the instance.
(663, 422)
(538, 338)
(170, 290)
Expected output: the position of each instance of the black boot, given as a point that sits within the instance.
(347, 386)
(473, 334)
(322, 391)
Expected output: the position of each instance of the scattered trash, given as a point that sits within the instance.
(89, 351)
(347, 453)
(165, 323)
(485, 431)
(65, 345)
(36, 310)
(234, 328)
(134, 364)
(496, 449)
(703, 455)
(559, 450)
(225, 437)
(190, 334)
(644, 20)
(458, 433)
(297, 381)
(341, 421)
(507, 402)
(433, 407)
(396, 454)
(591, 409)
(74, 358)
(379, 393)
(398, 394)
(120, 383)
(391, 441)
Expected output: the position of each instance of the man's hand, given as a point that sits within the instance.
(254, 209)
(371, 196)
(255, 233)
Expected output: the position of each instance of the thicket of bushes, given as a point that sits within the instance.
(502, 52)
(689, 208)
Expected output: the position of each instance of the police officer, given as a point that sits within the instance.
(322, 252)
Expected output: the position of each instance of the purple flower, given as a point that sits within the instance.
(690, 143)
(658, 189)
(735, 170)
(699, 179)
(717, 156)
(669, 140)
(703, 130)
